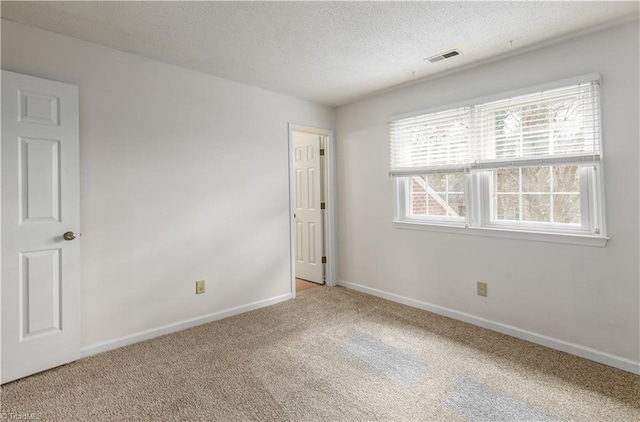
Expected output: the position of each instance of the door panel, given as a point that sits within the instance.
(40, 202)
(309, 230)
(39, 183)
(40, 291)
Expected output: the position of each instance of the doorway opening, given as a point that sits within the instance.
(312, 205)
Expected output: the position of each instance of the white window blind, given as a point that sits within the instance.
(554, 126)
(430, 142)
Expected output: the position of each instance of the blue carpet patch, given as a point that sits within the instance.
(478, 403)
(389, 360)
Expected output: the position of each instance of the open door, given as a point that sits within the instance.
(40, 219)
(308, 208)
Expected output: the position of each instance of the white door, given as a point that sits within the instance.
(40, 208)
(309, 229)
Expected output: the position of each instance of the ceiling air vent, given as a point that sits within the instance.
(442, 56)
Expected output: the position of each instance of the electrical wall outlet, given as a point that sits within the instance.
(483, 288)
(199, 287)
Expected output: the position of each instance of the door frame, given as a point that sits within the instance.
(329, 218)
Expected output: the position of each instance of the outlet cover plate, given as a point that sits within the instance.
(200, 287)
(483, 288)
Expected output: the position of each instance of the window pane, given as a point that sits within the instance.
(418, 199)
(458, 207)
(438, 182)
(436, 204)
(438, 195)
(566, 179)
(457, 182)
(507, 180)
(536, 208)
(535, 179)
(507, 207)
(530, 188)
(566, 208)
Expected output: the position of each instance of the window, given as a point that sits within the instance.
(523, 163)
(548, 194)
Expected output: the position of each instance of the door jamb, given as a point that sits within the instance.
(330, 213)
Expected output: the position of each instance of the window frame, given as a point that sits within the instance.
(588, 202)
(403, 205)
(479, 201)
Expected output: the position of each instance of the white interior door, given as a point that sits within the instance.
(309, 230)
(40, 208)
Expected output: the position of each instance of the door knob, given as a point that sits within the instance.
(69, 236)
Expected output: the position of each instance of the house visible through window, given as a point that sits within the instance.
(528, 163)
(438, 195)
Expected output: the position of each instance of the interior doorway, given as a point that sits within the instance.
(312, 206)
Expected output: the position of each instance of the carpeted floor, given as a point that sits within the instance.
(332, 354)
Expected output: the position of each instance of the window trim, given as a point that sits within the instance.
(562, 238)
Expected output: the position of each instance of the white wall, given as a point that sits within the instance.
(184, 176)
(586, 296)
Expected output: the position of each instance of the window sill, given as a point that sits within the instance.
(566, 238)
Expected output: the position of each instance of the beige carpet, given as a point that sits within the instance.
(332, 354)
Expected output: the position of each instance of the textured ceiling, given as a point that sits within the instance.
(329, 52)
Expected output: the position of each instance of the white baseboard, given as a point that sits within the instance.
(574, 349)
(172, 328)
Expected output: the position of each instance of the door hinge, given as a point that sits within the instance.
(323, 205)
(324, 259)
(321, 151)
